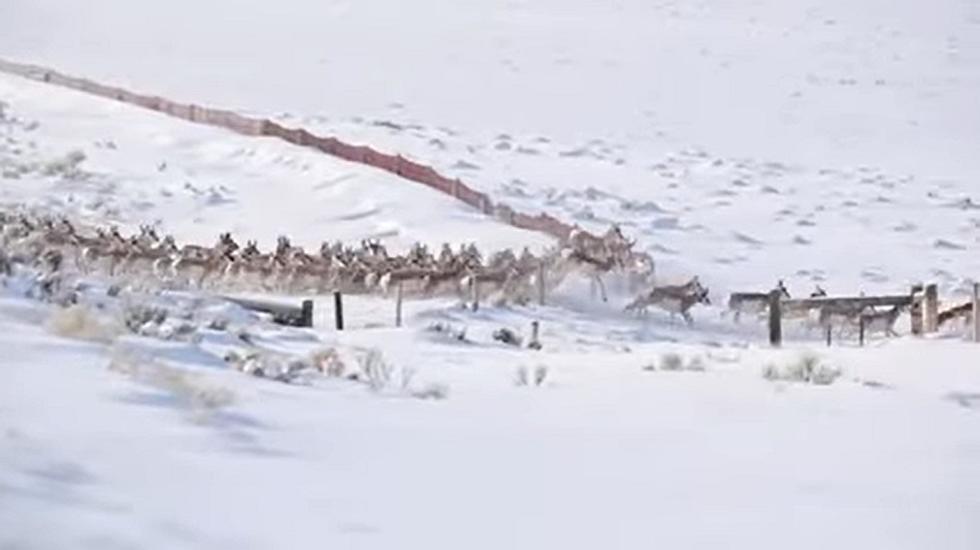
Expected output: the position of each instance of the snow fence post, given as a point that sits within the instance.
(338, 310)
(775, 318)
(931, 321)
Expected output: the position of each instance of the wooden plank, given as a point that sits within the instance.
(283, 314)
(848, 303)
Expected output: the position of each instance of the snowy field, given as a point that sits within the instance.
(827, 143)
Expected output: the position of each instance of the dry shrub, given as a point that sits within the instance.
(436, 391)
(374, 370)
(806, 368)
(522, 377)
(190, 390)
(80, 322)
(525, 376)
(329, 363)
(671, 361)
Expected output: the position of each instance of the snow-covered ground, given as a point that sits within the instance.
(819, 142)
(150, 444)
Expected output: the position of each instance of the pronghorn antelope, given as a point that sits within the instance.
(882, 321)
(208, 260)
(754, 302)
(675, 299)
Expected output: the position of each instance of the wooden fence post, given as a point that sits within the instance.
(976, 312)
(338, 310)
(535, 343)
(931, 321)
(830, 333)
(541, 284)
(475, 293)
(775, 319)
(861, 324)
(306, 317)
(915, 311)
(398, 305)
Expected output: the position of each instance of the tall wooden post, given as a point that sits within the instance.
(306, 317)
(775, 318)
(830, 333)
(931, 320)
(338, 310)
(862, 321)
(976, 312)
(535, 343)
(475, 293)
(398, 305)
(915, 311)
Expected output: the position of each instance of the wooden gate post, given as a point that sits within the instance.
(398, 305)
(976, 312)
(931, 321)
(775, 318)
(338, 310)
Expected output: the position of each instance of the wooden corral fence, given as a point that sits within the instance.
(253, 126)
(922, 302)
(283, 314)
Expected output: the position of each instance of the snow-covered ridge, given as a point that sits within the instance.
(250, 126)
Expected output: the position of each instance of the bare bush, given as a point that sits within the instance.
(696, 364)
(449, 331)
(190, 390)
(525, 377)
(329, 363)
(675, 362)
(374, 370)
(671, 361)
(806, 368)
(436, 391)
(507, 336)
(540, 374)
(80, 322)
(522, 377)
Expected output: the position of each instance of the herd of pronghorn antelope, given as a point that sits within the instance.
(365, 268)
(57, 243)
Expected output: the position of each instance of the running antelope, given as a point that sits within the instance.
(675, 299)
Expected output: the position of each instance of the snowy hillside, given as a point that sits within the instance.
(745, 142)
(828, 143)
